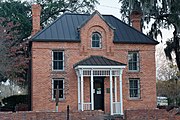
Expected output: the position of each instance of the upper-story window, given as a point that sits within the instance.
(58, 60)
(96, 40)
(133, 61)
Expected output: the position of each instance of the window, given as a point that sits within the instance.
(134, 88)
(58, 83)
(96, 40)
(58, 60)
(133, 61)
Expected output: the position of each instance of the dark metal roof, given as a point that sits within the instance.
(65, 28)
(98, 61)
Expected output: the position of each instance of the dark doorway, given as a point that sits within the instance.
(99, 93)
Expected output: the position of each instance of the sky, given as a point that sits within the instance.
(111, 7)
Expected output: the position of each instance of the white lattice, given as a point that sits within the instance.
(101, 72)
(87, 106)
(116, 107)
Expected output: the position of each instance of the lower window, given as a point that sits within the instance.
(58, 84)
(134, 88)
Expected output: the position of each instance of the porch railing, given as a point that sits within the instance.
(116, 107)
(87, 106)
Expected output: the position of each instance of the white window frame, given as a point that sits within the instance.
(139, 89)
(53, 60)
(61, 79)
(100, 40)
(138, 61)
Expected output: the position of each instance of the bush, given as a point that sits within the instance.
(12, 101)
(21, 107)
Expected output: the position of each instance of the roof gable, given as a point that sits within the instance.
(91, 16)
(65, 29)
(98, 61)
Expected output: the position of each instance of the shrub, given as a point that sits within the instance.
(12, 101)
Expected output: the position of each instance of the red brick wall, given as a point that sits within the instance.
(151, 114)
(42, 73)
(86, 115)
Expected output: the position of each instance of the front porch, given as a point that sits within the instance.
(101, 71)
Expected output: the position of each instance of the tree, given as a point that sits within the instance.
(167, 81)
(13, 59)
(51, 9)
(165, 14)
(16, 27)
(166, 70)
(19, 13)
(169, 89)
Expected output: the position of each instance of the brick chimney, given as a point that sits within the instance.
(36, 13)
(136, 16)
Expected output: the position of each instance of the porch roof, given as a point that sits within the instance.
(99, 61)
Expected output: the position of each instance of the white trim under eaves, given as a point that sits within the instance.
(96, 67)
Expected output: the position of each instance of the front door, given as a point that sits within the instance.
(99, 93)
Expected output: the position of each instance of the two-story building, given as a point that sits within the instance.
(97, 62)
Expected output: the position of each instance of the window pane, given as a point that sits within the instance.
(60, 93)
(55, 65)
(131, 93)
(135, 93)
(96, 43)
(131, 83)
(60, 84)
(93, 37)
(93, 43)
(55, 55)
(60, 65)
(134, 56)
(134, 64)
(55, 84)
(60, 55)
(97, 37)
(130, 66)
(136, 84)
(130, 57)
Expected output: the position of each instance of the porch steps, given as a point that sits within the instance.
(113, 117)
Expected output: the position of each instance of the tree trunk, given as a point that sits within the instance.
(176, 46)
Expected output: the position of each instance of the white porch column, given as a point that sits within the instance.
(82, 91)
(79, 93)
(121, 93)
(92, 90)
(111, 94)
(115, 88)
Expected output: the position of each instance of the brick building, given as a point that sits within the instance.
(97, 62)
